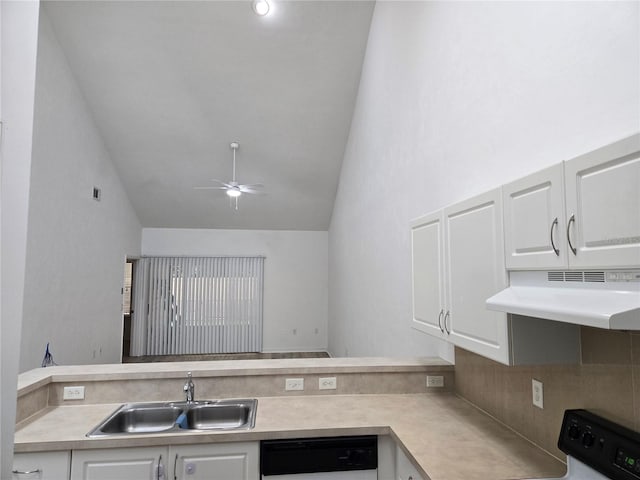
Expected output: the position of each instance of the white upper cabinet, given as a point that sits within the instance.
(583, 213)
(603, 206)
(427, 248)
(535, 222)
(458, 262)
(474, 265)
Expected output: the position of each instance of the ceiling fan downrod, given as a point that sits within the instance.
(234, 146)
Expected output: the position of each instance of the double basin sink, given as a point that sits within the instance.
(172, 417)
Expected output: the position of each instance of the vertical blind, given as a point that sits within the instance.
(197, 305)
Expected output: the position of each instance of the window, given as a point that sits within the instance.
(198, 305)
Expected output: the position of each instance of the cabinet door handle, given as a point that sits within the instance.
(160, 470)
(26, 472)
(571, 220)
(553, 245)
(175, 466)
(447, 315)
(440, 320)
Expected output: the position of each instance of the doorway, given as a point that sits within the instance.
(127, 309)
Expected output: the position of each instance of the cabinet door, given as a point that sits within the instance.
(222, 461)
(404, 468)
(534, 221)
(41, 466)
(119, 464)
(427, 273)
(603, 206)
(475, 271)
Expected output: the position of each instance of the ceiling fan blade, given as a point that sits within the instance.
(222, 183)
(244, 189)
(252, 188)
(210, 188)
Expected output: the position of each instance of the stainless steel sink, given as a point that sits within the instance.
(223, 415)
(165, 417)
(139, 418)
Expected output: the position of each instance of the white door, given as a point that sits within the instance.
(119, 464)
(222, 461)
(427, 272)
(475, 271)
(534, 221)
(603, 206)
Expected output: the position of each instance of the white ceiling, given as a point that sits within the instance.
(172, 83)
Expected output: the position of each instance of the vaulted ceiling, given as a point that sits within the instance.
(172, 83)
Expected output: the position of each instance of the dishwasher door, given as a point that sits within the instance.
(328, 458)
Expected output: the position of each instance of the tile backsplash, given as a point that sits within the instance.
(607, 382)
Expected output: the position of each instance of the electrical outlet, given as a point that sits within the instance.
(435, 381)
(537, 393)
(327, 383)
(294, 384)
(73, 393)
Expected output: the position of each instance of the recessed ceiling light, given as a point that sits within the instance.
(261, 7)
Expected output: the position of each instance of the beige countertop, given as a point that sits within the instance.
(446, 437)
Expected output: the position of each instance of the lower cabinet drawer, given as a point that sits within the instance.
(41, 466)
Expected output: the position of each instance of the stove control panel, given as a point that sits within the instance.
(607, 447)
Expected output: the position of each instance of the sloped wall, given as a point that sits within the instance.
(456, 98)
(76, 246)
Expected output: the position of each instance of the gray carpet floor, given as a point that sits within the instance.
(222, 356)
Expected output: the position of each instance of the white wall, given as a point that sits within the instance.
(19, 26)
(295, 276)
(456, 98)
(76, 246)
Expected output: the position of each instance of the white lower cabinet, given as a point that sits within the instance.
(386, 458)
(144, 463)
(224, 461)
(41, 466)
(221, 461)
(405, 470)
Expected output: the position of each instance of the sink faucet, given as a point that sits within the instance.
(189, 388)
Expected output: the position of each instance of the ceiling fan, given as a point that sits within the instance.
(233, 188)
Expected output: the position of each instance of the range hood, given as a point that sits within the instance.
(603, 299)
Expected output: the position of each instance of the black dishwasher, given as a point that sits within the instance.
(344, 458)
